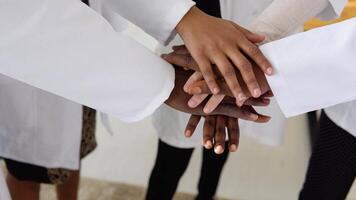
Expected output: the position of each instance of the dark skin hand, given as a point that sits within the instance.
(214, 132)
(178, 100)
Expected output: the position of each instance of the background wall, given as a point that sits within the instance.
(255, 172)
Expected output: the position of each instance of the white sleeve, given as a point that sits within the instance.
(333, 10)
(157, 17)
(284, 17)
(314, 69)
(65, 48)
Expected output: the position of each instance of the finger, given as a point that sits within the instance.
(196, 100)
(213, 102)
(208, 74)
(228, 72)
(245, 68)
(233, 111)
(195, 77)
(268, 94)
(180, 49)
(220, 134)
(261, 118)
(192, 125)
(201, 87)
(233, 133)
(258, 102)
(256, 55)
(181, 60)
(208, 131)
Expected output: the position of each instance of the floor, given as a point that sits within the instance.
(92, 189)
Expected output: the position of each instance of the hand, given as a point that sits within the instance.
(178, 100)
(214, 132)
(217, 41)
(195, 84)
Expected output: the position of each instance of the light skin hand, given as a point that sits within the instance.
(178, 100)
(216, 41)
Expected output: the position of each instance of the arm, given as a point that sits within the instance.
(314, 69)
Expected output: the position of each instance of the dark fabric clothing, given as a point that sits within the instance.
(171, 163)
(332, 166)
(211, 7)
(28, 172)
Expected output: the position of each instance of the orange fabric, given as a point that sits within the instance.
(349, 12)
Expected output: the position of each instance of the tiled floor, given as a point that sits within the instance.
(101, 190)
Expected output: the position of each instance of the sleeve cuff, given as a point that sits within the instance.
(175, 14)
(333, 11)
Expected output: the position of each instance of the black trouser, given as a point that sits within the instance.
(332, 166)
(170, 166)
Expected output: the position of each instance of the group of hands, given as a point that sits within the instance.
(220, 76)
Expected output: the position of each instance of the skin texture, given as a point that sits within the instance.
(215, 125)
(212, 40)
(214, 133)
(225, 115)
(29, 190)
(178, 100)
(197, 86)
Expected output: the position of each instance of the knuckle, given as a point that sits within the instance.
(254, 50)
(210, 124)
(245, 66)
(228, 72)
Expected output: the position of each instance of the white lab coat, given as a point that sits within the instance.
(4, 192)
(67, 49)
(170, 124)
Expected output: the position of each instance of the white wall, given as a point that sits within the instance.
(255, 172)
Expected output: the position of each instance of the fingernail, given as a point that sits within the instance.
(233, 148)
(208, 144)
(188, 133)
(254, 116)
(242, 97)
(269, 71)
(219, 149)
(192, 103)
(215, 90)
(256, 93)
(206, 110)
(196, 90)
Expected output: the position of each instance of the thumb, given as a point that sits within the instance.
(181, 60)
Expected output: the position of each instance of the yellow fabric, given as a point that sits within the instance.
(349, 12)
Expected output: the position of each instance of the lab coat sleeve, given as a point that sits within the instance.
(314, 69)
(283, 17)
(333, 10)
(65, 48)
(157, 17)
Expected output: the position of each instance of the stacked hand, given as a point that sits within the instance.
(221, 109)
(212, 40)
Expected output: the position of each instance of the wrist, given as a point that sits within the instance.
(188, 20)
